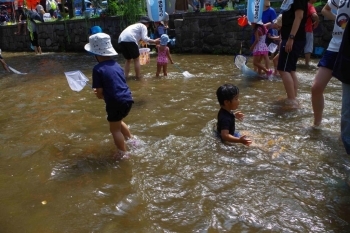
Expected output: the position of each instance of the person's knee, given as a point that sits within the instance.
(316, 89)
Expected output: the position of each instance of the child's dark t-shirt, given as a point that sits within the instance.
(110, 76)
(226, 121)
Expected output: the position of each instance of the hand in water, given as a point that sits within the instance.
(244, 140)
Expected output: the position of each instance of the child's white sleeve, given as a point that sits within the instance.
(333, 4)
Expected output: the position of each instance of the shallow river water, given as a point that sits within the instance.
(58, 175)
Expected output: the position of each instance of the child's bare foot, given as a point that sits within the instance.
(119, 155)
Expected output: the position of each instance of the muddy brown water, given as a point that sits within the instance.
(57, 173)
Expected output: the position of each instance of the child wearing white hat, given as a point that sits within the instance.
(109, 84)
(163, 55)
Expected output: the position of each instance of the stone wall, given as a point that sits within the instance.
(219, 33)
(215, 32)
(59, 36)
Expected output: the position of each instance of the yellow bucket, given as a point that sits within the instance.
(144, 56)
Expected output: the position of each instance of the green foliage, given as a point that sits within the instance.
(130, 10)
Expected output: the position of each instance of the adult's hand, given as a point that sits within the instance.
(289, 45)
(156, 41)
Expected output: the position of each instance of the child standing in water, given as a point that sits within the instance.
(228, 97)
(259, 48)
(109, 84)
(163, 55)
(277, 25)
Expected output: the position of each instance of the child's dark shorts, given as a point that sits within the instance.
(116, 111)
(130, 50)
(328, 59)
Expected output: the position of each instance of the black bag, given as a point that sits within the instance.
(341, 69)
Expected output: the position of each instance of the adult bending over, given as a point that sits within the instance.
(293, 43)
(326, 64)
(128, 43)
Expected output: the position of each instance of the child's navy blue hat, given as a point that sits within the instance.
(95, 29)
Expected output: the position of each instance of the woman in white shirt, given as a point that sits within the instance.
(128, 43)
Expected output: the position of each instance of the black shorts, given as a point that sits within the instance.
(288, 61)
(328, 59)
(35, 39)
(130, 50)
(117, 111)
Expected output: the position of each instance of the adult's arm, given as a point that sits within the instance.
(299, 14)
(145, 37)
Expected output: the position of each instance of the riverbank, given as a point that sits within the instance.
(215, 32)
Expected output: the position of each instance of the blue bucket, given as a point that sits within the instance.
(318, 51)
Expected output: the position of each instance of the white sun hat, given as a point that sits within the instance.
(100, 44)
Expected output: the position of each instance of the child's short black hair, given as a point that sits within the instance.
(226, 92)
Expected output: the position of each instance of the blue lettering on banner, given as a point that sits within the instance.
(160, 7)
(256, 13)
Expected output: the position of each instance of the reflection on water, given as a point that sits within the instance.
(58, 175)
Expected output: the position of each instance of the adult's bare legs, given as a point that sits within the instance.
(137, 67)
(127, 68)
(321, 80)
(290, 82)
(295, 82)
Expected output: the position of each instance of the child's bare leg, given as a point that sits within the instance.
(267, 61)
(275, 63)
(118, 137)
(165, 69)
(257, 69)
(125, 131)
(256, 62)
(159, 67)
(39, 49)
